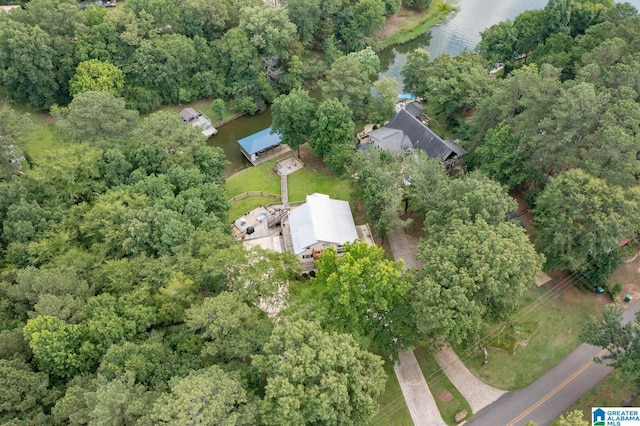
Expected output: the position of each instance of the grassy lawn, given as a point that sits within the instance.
(312, 178)
(43, 136)
(611, 392)
(559, 323)
(450, 402)
(203, 105)
(393, 409)
(408, 24)
(307, 181)
(259, 178)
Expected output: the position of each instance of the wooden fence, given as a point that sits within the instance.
(254, 194)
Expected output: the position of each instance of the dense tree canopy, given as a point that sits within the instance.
(366, 295)
(581, 217)
(317, 377)
(176, 51)
(97, 76)
(95, 116)
(621, 339)
(471, 274)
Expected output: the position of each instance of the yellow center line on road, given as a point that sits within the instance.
(556, 389)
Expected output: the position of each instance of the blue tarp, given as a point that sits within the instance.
(259, 141)
(406, 97)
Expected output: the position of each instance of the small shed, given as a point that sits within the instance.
(259, 143)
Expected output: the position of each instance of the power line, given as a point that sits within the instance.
(544, 299)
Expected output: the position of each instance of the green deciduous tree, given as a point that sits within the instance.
(379, 183)
(358, 21)
(99, 401)
(454, 84)
(97, 117)
(500, 158)
(468, 198)
(579, 217)
(384, 102)
(165, 131)
(292, 114)
(333, 133)
(621, 339)
(269, 29)
(27, 67)
(218, 107)
(107, 320)
(207, 396)
(97, 76)
(498, 42)
(305, 15)
(25, 395)
(413, 73)
(348, 80)
(316, 377)
(165, 65)
(473, 272)
(572, 418)
(231, 329)
(366, 295)
(55, 345)
(66, 175)
(420, 5)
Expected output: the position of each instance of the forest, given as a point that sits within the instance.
(124, 298)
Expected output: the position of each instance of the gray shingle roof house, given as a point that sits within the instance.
(197, 119)
(320, 223)
(406, 132)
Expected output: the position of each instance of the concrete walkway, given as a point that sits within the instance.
(284, 192)
(420, 402)
(477, 394)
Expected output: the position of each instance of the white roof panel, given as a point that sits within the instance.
(321, 219)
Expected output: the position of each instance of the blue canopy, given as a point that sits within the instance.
(259, 141)
(406, 97)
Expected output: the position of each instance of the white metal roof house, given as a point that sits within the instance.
(320, 223)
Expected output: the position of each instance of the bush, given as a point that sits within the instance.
(615, 290)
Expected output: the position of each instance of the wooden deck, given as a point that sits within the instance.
(271, 154)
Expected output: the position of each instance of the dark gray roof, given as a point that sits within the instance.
(393, 140)
(415, 109)
(423, 138)
(189, 114)
(363, 147)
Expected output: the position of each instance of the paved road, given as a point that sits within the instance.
(552, 394)
(477, 393)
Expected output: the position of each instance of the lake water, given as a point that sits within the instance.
(229, 134)
(460, 33)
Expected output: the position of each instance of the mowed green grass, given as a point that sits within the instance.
(560, 320)
(439, 384)
(301, 183)
(204, 105)
(393, 409)
(43, 136)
